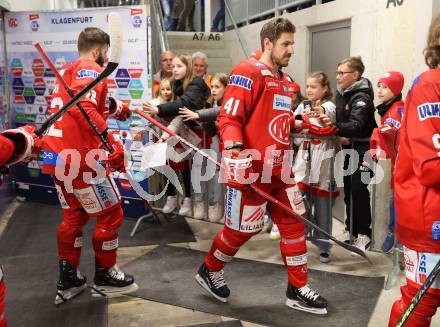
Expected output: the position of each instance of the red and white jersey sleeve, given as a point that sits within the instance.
(256, 112)
(238, 102)
(417, 177)
(72, 130)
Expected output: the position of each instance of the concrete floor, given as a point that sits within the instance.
(133, 312)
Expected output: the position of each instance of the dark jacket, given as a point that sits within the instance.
(194, 98)
(355, 110)
(208, 117)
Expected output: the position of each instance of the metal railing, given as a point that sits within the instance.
(249, 11)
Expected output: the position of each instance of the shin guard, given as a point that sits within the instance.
(294, 252)
(225, 246)
(422, 314)
(69, 237)
(105, 237)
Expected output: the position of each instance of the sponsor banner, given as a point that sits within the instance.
(31, 81)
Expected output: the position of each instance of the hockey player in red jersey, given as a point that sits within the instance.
(72, 146)
(417, 185)
(256, 117)
(15, 145)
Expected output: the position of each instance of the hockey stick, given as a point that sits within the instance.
(70, 93)
(419, 295)
(115, 28)
(267, 196)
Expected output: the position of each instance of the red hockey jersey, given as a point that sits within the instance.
(417, 174)
(255, 112)
(385, 136)
(72, 131)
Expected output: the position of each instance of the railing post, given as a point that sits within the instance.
(318, 2)
(247, 12)
(277, 12)
(207, 14)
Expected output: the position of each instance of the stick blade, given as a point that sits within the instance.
(115, 33)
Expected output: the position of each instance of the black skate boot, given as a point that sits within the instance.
(112, 282)
(70, 284)
(213, 282)
(306, 299)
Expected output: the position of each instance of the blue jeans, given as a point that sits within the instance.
(219, 19)
(392, 224)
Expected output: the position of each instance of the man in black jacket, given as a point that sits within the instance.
(355, 122)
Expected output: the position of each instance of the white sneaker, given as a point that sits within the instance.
(199, 210)
(362, 242)
(274, 233)
(185, 208)
(215, 213)
(170, 205)
(344, 236)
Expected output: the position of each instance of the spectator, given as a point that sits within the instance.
(166, 8)
(200, 64)
(165, 93)
(183, 15)
(207, 117)
(165, 71)
(385, 136)
(355, 123)
(218, 24)
(191, 92)
(312, 164)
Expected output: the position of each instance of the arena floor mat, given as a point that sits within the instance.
(166, 275)
(28, 254)
(230, 323)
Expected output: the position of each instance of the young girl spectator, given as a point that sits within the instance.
(384, 137)
(165, 93)
(190, 92)
(313, 165)
(207, 117)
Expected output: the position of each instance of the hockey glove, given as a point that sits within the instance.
(118, 109)
(116, 159)
(25, 143)
(302, 123)
(237, 170)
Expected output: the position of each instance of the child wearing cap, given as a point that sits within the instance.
(384, 140)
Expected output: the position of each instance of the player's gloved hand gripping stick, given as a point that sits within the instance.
(268, 197)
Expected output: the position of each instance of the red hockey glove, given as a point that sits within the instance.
(302, 123)
(237, 170)
(25, 143)
(119, 109)
(7, 149)
(116, 159)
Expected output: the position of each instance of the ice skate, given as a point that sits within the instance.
(113, 282)
(70, 284)
(306, 299)
(213, 282)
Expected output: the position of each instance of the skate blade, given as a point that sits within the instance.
(63, 296)
(110, 291)
(203, 284)
(297, 305)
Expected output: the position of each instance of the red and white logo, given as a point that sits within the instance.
(13, 22)
(279, 128)
(409, 264)
(136, 11)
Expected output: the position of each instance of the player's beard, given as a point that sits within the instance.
(101, 59)
(281, 61)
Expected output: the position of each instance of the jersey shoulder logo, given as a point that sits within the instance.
(428, 110)
(241, 81)
(86, 73)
